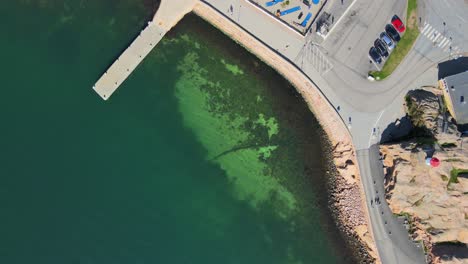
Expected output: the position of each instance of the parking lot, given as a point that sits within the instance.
(357, 31)
(386, 42)
(298, 14)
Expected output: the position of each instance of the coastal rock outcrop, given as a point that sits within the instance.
(435, 197)
(346, 202)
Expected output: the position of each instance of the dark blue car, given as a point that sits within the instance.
(375, 56)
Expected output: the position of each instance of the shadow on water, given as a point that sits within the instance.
(452, 67)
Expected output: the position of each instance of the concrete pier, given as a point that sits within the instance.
(167, 16)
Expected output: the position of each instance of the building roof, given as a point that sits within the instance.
(457, 86)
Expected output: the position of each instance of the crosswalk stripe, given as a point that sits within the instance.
(429, 33)
(437, 37)
(426, 27)
(443, 42)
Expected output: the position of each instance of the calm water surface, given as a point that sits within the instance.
(204, 155)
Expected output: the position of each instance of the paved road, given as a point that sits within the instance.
(391, 236)
(446, 19)
(338, 66)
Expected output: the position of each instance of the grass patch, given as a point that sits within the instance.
(448, 145)
(405, 44)
(422, 141)
(453, 160)
(454, 175)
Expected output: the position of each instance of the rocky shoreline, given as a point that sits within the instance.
(345, 189)
(345, 202)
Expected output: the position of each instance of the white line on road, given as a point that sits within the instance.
(444, 42)
(375, 64)
(447, 4)
(437, 37)
(429, 32)
(375, 125)
(461, 18)
(426, 27)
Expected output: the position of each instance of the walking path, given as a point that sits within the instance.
(167, 16)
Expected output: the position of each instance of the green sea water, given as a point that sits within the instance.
(204, 155)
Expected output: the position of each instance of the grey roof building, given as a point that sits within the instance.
(456, 89)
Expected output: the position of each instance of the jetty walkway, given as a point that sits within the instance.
(167, 16)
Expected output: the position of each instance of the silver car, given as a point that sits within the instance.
(387, 40)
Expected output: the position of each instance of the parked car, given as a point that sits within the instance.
(375, 56)
(398, 24)
(391, 31)
(387, 40)
(380, 46)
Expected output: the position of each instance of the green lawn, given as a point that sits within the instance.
(405, 44)
(454, 175)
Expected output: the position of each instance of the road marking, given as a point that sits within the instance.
(426, 27)
(437, 37)
(317, 59)
(445, 2)
(433, 35)
(375, 64)
(444, 42)
(429, 32)
(461, 18)
(375, 125)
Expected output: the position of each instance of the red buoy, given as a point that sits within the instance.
(435, 162)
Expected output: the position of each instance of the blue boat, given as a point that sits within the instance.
(304, 23)
(291, 10)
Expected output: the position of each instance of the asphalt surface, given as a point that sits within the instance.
(391, 236)
(338, 67)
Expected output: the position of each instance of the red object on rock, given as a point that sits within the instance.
(435, 162)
